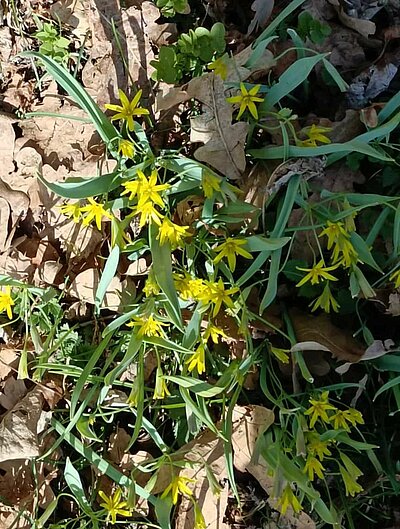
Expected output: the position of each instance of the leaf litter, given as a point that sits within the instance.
(38, 149)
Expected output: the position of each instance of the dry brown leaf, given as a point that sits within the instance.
(19, 428)
(77, 240)
(137, 30)
(8, 361)
(16, 265)
(263, 10)
(377, 349)
(85, 284)
(362, 26)
(73, 13)
(320, 329)
(223, 140)
(7, 139)
(12, 391)
(394, 304)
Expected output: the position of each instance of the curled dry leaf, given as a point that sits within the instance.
(377, 349)
(320, 329)
(362, 26)
(262, 11)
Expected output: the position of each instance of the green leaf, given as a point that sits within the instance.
(257, 243)
(106, 277)
(363, 251)
(294, 76)
(165, 66)
(162, 267)
(104, 127)
(83, 427)
(73, 480)
(83, 187)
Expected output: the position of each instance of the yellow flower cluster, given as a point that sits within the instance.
(317, 449)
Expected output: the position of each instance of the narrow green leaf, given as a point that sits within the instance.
(291, 78)
(74, 482)
(79, 188)
(103, 126)
(162, 267)
(106, 277)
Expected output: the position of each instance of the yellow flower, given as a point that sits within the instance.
(210, 184)
(229, 249)
(341, 418)
(247, 100)
(72, 210)
(313, 466)
(133, 398)
(160, 389)
(128, 109)
(280, 354)
(126, 148)
(148, 214)
(339, 421)
(343, 251)
(318, 448)
(149, 190)
(318, 409)
(220, 66)
(148, 326)
(178, 486)
(326, 301)
(212, 331)
(334, 231)
(314, 133)
(395, 277)
(318, 272)
(151, 286)
(190, 288)
(94, 211)
(172, 233)
(288, 499)
(197, 360)
(199, 521)
(131, 188)
(353, 416)
(351, 485)
(217, 294)
(114, 506)
(6, 302)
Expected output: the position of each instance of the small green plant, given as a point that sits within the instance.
(190, 54)
(310, 27)
(169, 8)
(53, 44)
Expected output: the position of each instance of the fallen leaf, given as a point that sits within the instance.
(320, 329)
(223, 140)
(251, 422)
(362, 26)
(73, 13)
(8, 361)
(85, 284)
(377, 349)
(19, 428)
(263, 10)
(104, 72)
(13, 390)
(394, 304)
